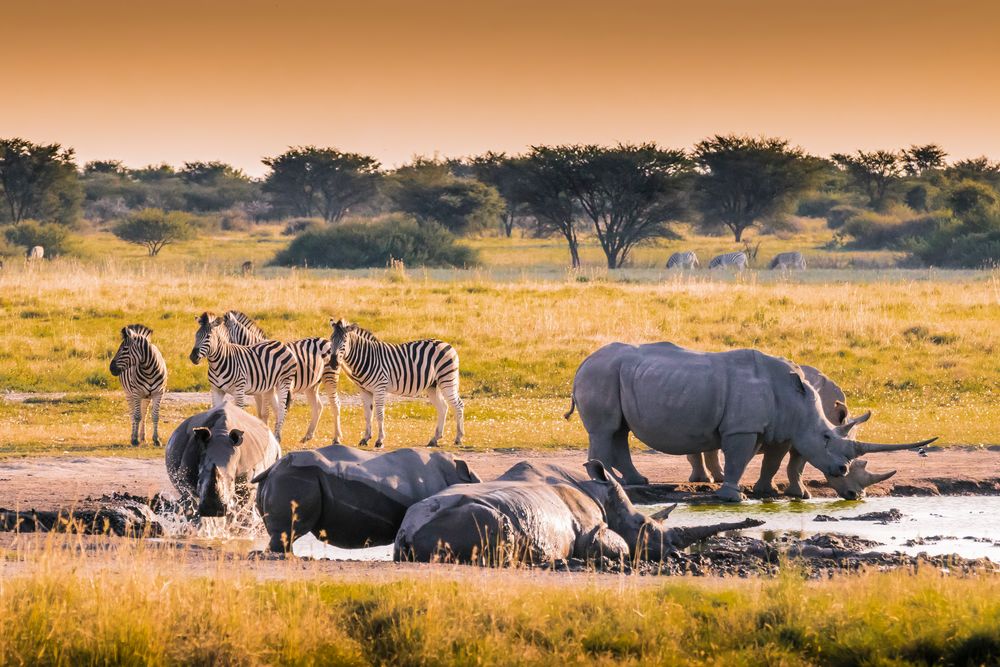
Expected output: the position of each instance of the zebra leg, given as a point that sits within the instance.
(279, 410)
(459, 407)
(366, 401)
(155, 408)
(698, 471)
(316, 407)
(143, 410)
(437, 400)
(379, 395)
(135, 406)
(331, 387)
(263, 404)
(218, 397)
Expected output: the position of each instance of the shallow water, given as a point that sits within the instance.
(968, 526)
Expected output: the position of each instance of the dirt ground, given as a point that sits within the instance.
(50, 483)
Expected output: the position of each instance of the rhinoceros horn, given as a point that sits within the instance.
(859, 468)
(681, 538)
(862, 448)
(846, 427)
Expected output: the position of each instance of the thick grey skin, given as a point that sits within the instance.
(213, 456)
(680, 401)
(348, 497)
(541, 513)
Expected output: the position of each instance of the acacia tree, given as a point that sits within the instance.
(153, 228)
(629, 192)
(505, 174)
(38, 181)
(874, 172)
(430, 192)
(743, 180)
(546, 193)
(917, 160)
(324, 181)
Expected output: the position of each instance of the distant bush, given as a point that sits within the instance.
(818, 204)
(153, 228)
(55, 238)
(840, 214)
(950, 247)
(355, 245)
(295, 226)
(876, 231)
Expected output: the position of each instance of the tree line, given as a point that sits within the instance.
(911, 199)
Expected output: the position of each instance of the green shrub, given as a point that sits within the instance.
(355, 245)
(295, 226)
(876, 231)
(840, 214)
(154, 228)
(53, 237)
(819, 204)
(950, 247)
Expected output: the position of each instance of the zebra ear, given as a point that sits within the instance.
(202, 434)
(124, 333)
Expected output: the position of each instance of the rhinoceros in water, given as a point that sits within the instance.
(679, 401)
(348, 497)
(705, 467)
(212, 456)
(540, 513)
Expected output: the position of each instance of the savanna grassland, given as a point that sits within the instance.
(918, 347)
(130, 604)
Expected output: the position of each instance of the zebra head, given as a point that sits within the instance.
(210, 328)
(242, 329)
(218, 459)
(135, 343)
(340, 336)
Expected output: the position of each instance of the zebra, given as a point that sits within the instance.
(266, 368)
(789, 260)
(683, 260)
(729, 259)
(140, 368)
(314, 366)
(418, 367)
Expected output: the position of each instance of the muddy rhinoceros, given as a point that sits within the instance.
(212, 456)
(348, 497)
(680, 401)
(706, 468)
(538, 513)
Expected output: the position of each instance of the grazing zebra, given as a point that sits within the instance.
(266, 368)
(140, 368)
(418, 367)
(789, 260)
(730, 259)
(314, 366)
(683, 260)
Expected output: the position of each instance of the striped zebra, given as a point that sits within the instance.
(683, 260)
(266, 368)
(314, 366)
(737, 260)
(420, 367)
(140, 368)
(789, 260)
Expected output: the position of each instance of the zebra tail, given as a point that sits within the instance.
(572, 407)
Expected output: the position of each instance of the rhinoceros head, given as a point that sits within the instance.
(648, 537)
(220, 454)
(827, 446)
(852, 486)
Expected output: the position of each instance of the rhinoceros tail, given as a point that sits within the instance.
(572, 407)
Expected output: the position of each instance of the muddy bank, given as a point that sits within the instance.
(52, 483)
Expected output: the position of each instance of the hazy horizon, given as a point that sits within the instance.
(238, 81)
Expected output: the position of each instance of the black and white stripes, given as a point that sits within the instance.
(737, 260)
(142, 372)
(422, 367)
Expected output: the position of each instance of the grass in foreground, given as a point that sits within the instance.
(136, 607)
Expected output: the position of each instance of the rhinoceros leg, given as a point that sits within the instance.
(713, 465)
(602, 545)
(612, 450)
(796, 464)
(773, 456)
(739, 448)
(698, 471)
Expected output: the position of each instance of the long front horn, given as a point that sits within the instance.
(862, 448)
(681, 538)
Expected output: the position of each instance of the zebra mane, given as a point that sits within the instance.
(364, 333)
(138, 329)
(246, 321)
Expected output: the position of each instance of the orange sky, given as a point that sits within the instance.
(173, 81)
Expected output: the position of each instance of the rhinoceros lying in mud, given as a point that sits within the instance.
(539, 513)
(348, 497)
(680, 401)
(705, 467)
(212, 456)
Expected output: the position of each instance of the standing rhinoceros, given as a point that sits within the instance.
(213, 456)
(680, 401)
(539, 513)
(348, 497)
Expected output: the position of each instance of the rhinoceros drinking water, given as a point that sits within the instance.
(348, 497)
(539, 513)
(679, 401)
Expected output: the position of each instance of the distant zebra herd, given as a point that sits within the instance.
(243, 362)
(785, 261)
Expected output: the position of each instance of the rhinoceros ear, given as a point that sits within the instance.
(799, 380)
(465, 472)
(664, 513)
(597, 471)
(236, 436)
(201, 434)
(841, 410)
